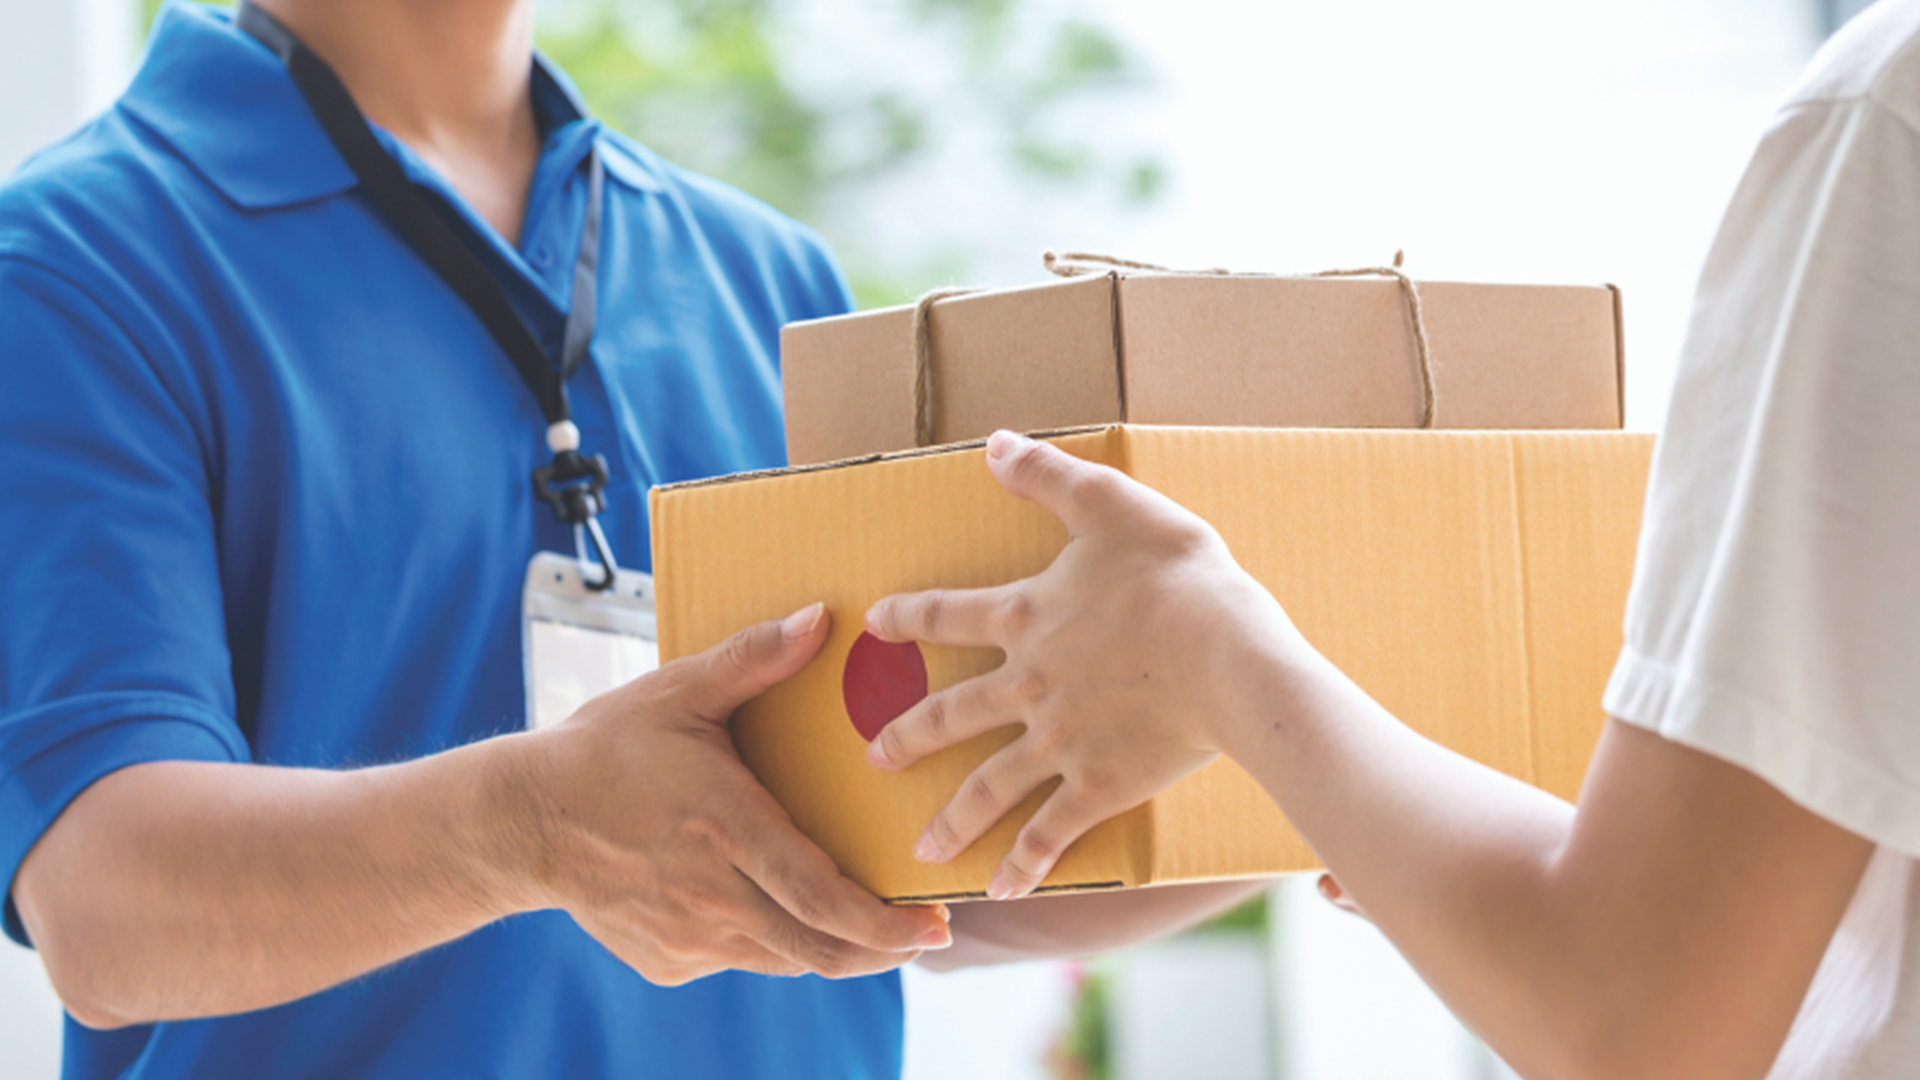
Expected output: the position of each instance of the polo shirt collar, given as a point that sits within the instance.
(557, 103)
(227, 105)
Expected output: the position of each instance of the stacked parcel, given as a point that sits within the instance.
(1471, 577)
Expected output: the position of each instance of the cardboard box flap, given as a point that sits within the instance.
(848, 383)
(1268, 352)
(1221, 823)
(1578, 502)
(1016, 358)
(1526, 356)
(1293, 352)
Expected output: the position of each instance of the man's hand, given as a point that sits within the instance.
(1115, 657)
(664, 847)
(175, 890)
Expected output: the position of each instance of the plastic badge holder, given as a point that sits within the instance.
(578, 643)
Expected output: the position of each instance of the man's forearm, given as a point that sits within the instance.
(1044, 927)
(175, 890)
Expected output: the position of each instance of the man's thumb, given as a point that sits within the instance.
(745, 665)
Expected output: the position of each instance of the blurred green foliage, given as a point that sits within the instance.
(150, 8)
(735, 89)
(773, 97)
(1250, 917)
(1084, 1049)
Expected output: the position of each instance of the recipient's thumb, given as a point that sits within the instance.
(742, 667)
(1075, 491)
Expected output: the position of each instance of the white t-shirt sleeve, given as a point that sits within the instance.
(1775, 614)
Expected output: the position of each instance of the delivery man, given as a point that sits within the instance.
(283, 336)
(1735, 895)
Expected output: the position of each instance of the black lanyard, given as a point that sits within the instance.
(572, 483)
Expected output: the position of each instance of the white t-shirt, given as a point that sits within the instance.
(1775, 614)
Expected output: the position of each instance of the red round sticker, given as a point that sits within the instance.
(882, 680)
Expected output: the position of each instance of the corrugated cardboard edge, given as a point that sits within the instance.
(1144, 838)
(867, 459)
(1056, 890)
(1119, 345)
(1619, 354)
(1523, 591)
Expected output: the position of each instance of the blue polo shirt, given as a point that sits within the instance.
(264, 497)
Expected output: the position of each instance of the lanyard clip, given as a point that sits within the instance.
(572, 483)
(608, 569)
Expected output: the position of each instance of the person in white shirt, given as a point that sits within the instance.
(1734, 896)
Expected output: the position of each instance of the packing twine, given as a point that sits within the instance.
(923, 359)
(1069, 264)
(1072, 264)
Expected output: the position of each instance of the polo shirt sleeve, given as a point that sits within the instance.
(1774, 619)
(112, 636)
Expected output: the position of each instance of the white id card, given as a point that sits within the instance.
(577, 644)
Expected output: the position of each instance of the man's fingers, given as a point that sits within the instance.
(1075, 491)
(962, 617)
(791, 944)
(1330, 888)
(1053, 828)
(801, 879)
(742, 667)
(748, 954)
(947, 718)
(985, 797)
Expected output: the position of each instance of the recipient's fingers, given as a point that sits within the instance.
(986, 796)
(800, 878)
(1078, 492)
(940, 720)
(1053, 828)
(962, 617)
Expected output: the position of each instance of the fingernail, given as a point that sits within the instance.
(1000, 442)
(1329, 888)
(999, 888)
(938, 938)
(877, 755)
(801, 623)
(925, 849)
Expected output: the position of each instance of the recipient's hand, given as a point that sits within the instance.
(664, 847)
(1117, 659)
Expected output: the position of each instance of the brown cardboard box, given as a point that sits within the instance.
(1473, 582)
(1204, 349)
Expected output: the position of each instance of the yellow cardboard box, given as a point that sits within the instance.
(1472, 582)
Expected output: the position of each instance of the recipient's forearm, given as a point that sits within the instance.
(175, 890)
(1044, 927)
(1456, 863)
(1658, 932)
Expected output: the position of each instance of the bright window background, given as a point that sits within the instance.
(1509, 140)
